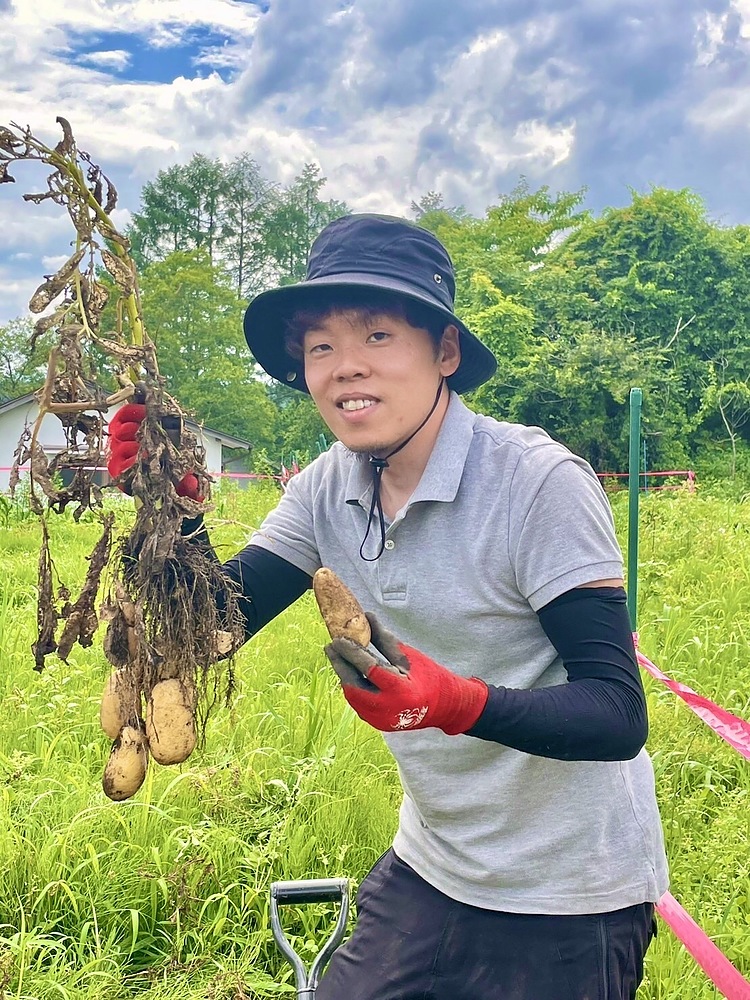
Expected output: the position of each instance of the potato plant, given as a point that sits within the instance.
(164, 636)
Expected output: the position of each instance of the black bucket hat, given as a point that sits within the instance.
(366, 252)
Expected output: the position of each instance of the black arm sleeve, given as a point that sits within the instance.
(600, 714)
(265, 583)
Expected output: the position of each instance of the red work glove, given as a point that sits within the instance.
(411, 692)
(123, 448)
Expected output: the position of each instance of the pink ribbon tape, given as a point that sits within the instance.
(734, 730)
(728, 980)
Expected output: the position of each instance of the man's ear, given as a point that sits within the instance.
(450, 351)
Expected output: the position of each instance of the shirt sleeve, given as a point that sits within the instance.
(288, 531)
(561, 530)
(600, 714)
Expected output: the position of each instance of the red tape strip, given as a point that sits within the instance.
(734, 730)
(730, 982)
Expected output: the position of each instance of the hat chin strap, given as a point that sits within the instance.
(378, 465)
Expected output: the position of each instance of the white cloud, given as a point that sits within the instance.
(110, 59)
(162, 21)
(52, 264)
(15, 293)
(724, 108)
(493, 41)
(388, 106)
(742, 7)
(711, 30)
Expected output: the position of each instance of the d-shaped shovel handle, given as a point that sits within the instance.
(322, 890)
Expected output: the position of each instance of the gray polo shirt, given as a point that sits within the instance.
(503, 521)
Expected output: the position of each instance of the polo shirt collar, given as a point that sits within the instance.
(442, 475)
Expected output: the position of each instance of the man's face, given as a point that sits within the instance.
(374, 381)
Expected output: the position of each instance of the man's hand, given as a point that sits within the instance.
(413, 692)
(123, 449)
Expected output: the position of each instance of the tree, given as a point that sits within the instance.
(300, 428)
(660, 273)
(194, 317)
(247, 197)
(577, 388)
(22, 368)
(259, 232)
(180, 210)
(431, 211)
(297, 214)
(512, 239)
(727, 395)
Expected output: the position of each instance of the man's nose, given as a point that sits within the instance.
(350, 362)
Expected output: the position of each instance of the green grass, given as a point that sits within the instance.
(166, 895)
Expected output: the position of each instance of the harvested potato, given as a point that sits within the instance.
(170, 723)
(121, 703)
(340, 609)
(126, 767)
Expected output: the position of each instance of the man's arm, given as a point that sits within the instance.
(265, 584)
(601, 713)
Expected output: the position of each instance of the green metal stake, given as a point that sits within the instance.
(636, 401)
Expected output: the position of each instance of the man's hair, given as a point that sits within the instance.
(365, 306)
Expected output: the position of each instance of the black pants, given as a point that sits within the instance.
(413, 943)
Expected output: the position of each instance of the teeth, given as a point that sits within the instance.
(356, 404)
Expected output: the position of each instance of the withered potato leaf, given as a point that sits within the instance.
(83, 621)
(121, 271)
(39, 198)
(53, 284)
(111, 197)
(46, 614)
(67, 143)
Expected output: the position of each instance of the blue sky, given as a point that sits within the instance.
(392, 98)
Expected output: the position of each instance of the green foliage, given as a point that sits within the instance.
(579, 309)
(508, 243)
(246, 197)
(194, 318)
(296, 216)
(180, 211)
(22, 369)
(660, 271)
(300, 425)
(260, 232)
(166, 896)
(578, 388)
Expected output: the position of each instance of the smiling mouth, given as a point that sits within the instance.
(356, 404)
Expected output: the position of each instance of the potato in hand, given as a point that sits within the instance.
(340, 609)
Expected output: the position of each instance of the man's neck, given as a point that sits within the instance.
(405, 469)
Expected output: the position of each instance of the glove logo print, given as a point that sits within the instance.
(410, 717)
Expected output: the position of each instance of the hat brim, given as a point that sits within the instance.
(267, 315)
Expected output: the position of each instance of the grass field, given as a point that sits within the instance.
(165, 896)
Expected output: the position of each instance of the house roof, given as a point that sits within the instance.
(226, 439)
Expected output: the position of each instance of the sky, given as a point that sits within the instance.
(392, 98)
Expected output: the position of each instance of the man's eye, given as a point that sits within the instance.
(319, 348)
(378, 335)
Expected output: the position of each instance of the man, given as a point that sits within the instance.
(529, 851)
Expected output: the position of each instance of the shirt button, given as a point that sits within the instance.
(390, 544)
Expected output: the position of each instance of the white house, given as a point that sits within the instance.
(15, 414)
